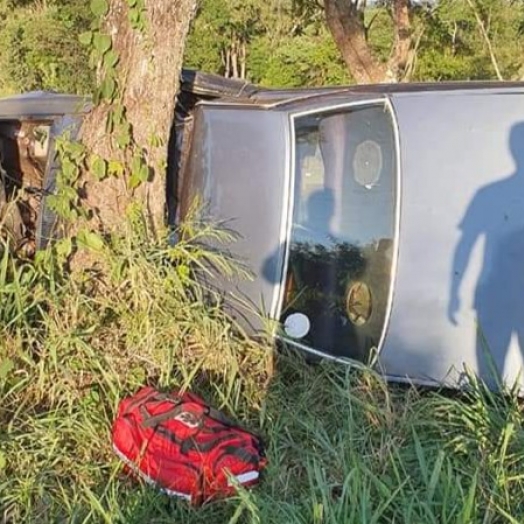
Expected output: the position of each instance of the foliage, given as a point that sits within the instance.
(290, 46)
(452, 46)
(308, 60)
(72, 344)
(285, 47)
(40, 46)
(285, 42)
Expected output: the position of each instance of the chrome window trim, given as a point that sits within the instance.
(288, 209)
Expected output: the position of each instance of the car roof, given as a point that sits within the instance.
(42, 104)
(211, 87)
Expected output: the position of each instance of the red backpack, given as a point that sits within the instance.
(183, 446)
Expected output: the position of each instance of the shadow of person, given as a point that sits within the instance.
(497, 214)
(310, 235)
(316, 228)
(319, 267)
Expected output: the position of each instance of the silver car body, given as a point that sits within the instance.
(454, 304)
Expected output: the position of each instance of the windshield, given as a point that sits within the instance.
(342, 236)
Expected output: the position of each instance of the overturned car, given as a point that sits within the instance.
(381, 223)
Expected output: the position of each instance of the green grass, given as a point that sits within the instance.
(343, 447)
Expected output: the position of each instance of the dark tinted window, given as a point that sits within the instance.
(341, 245)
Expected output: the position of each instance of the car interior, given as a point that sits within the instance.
(24, 152)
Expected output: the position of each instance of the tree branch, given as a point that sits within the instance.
(485, 35)
(345, 22)
(410, 65)
(370, 23)
(401, 13)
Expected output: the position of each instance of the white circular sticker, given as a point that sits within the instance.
(297, 325)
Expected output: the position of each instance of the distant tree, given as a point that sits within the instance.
(222, 34)
(347, 23)
(472, 39)
(309, 59)
(275, 43)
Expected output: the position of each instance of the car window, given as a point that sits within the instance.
(341, 245)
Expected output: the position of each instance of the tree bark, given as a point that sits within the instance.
(403, 40)
(346, 23)
(148, 71)
(243, 60)
(345, 20)
(234, 59)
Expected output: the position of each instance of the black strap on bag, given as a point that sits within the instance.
(152, 421)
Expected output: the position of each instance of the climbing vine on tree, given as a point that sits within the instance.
(136, 48)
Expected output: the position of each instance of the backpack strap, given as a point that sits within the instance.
(150, 421)
(220, 417)
(152, 395)
(217, 415)
(136, 402)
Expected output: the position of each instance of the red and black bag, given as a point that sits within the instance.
(188, 449)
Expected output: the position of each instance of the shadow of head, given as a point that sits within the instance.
(516, 145)
(320, 208)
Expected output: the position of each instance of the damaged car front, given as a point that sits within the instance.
(29, 126)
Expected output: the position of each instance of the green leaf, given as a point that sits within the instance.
(102, 43)
(108, 88)
(156, 141)
(115, 168)
(3, 461)
(144, 173)
(68, 192)
(132, 3)
(90, 239)
(134, 16)
(111, 59)
(93, 59)
(134, 180)
(118, 113)
(123, 139)
(98, 167)
(86, 38)
(139, 171)
(75, 150)
(69, 169)
(136, 19)
(64, 247)
(136, 163)
(6, 366)
(123, 133)
(99, 7)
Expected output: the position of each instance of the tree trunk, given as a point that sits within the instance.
(403, 41)
(227, 61)
(148, 71)
(234, 60)
(346, 23)
(243, 60)
(345, 20)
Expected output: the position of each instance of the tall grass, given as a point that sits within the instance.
(342, 446)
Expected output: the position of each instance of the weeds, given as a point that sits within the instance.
(342, 447)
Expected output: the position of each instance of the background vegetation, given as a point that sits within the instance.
(287, 42)
(275, 42)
